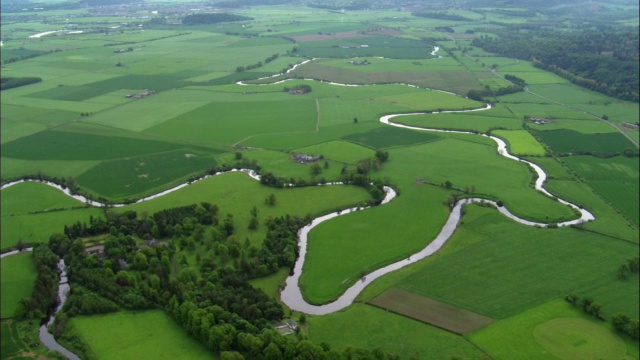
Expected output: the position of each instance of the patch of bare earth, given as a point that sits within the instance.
(422, 308)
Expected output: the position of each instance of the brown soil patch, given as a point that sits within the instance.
(430, 311)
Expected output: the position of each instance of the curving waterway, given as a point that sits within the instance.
(291, 295)
(47, 338)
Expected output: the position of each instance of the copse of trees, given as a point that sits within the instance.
(13, 82)
(441, 16)
(212, 18)
(45, 290)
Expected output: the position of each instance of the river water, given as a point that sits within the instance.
(291, 295)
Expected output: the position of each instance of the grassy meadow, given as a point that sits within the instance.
(129, 108)
(137, 334)
(18, 276)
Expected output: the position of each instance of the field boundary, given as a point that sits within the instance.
(442, 315)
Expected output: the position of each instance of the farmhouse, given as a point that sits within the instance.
(539, 121)
(286, 327)
(304, 158)
(359, 62)
(97, 249)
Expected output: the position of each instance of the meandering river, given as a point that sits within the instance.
(291, 295)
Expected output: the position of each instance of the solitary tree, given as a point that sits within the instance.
(271, 200)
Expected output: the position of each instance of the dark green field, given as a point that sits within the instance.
(386, 137)
(568, 141)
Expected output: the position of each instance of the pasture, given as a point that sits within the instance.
(78, 122)
(340, 151)
(144, 175)
(614, 179)
(29, 203)
(544, 264)
(377, 328)
(569, 141)
(378, 236)
(551, 330)
(18, 276)
(520, 142)
(127, 335)
(453, 158)
(432, 312)
(236, 193)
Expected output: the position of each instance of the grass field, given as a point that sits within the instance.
(543, 264)
(550, 331)
(236, 193)
(432, 312)
(378, 236)
(520, 142)
(127, 335)
(615, 179)
(377, 328)
(568, 141)
(26, 204)
(18, 277)
(387, 137)
(144, 175)
(340, 151)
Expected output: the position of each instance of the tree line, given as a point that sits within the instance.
(212, 18)
(13, 82)
(605, 61)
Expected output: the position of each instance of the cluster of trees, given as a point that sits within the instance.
(631, 266)
(621, 322)
(604, 61)
(479, 95)
(44, 296)
(304, 88)
(214, 301)
(13, 82)
(586, 304)
(258, 64)
(212, 18)
(441, 16)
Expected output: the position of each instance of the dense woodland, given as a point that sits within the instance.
(604, 61)
(212, 18)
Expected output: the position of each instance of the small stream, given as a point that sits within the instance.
(47, 338)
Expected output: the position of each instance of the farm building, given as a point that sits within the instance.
(286, 327)
(304, 158)
(540, 121)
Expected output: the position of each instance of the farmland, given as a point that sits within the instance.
(126, 335)
(18, 277)
(134, 102)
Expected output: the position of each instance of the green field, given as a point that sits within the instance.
(568, 141)
(28, 203)
(236, 193)
(554, 328)
(432, 312)
(520, 142)
(377, 328)
(82, 124)
(18, 276)
(126, 335)
(543, 264)
(614, 179)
